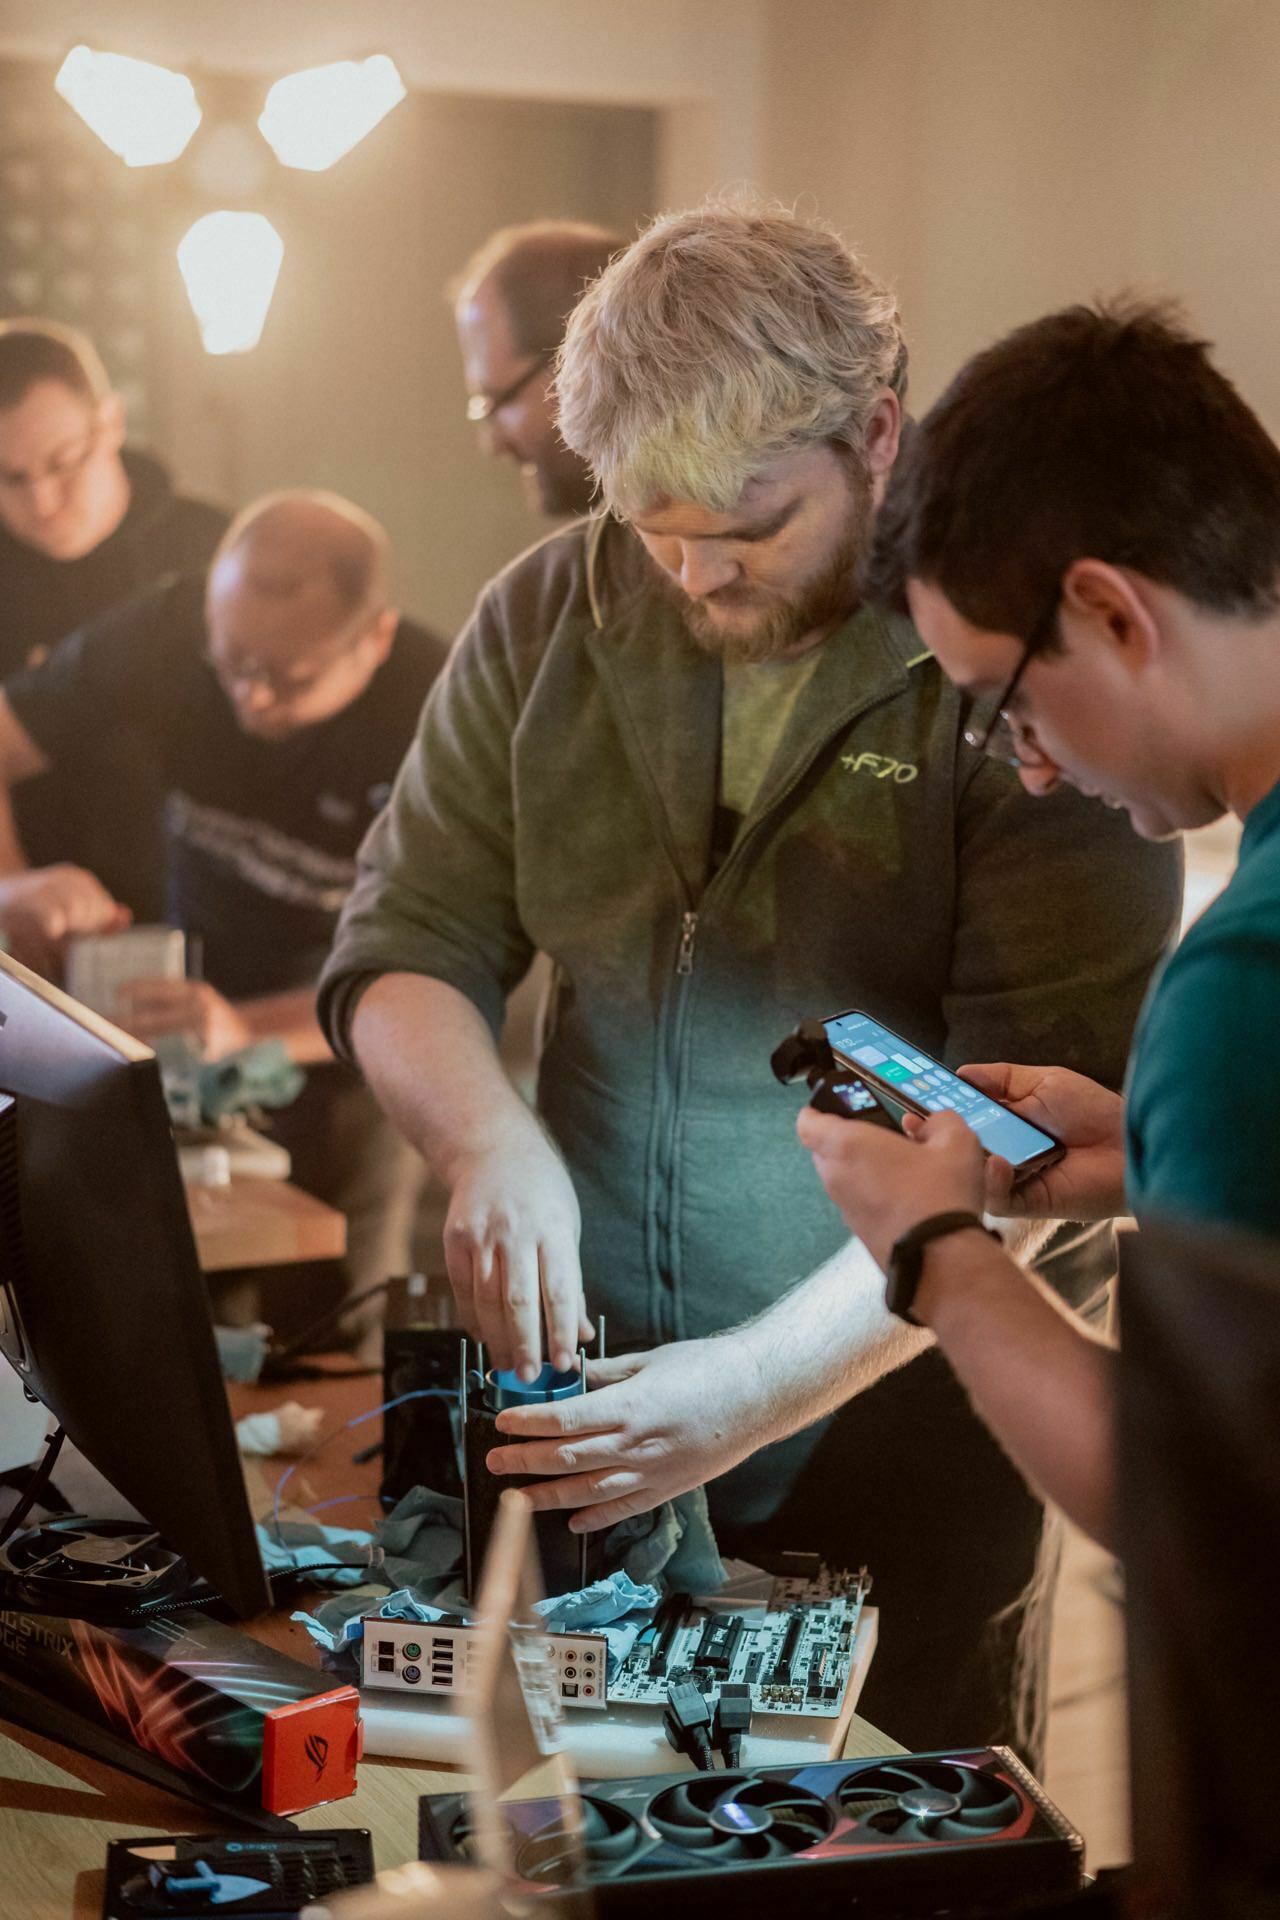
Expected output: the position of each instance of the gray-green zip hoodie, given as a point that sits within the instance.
(560, 796)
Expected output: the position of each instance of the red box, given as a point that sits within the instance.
(205, 1698)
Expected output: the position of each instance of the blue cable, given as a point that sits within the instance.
(419, 1393)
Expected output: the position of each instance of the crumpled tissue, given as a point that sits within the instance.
(287, 1429)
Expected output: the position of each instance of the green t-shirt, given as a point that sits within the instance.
(1203, 1112)
(758, 702)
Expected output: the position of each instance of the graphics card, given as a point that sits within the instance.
(255, 1879)
(916, 1835)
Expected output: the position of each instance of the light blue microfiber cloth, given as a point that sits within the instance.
(338, 1626)
(417, 1550)
(307, 1547)
(615, 1607)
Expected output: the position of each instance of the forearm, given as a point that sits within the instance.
(828, 1339)
(1036, 1376)
(833, 1337)
(12, 857)
(431, 1060)
(289, 1018)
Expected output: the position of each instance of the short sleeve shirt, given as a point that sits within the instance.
(1203, 1109)
(261, 836)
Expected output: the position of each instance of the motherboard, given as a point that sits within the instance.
(793, 1646)
(789, 1637)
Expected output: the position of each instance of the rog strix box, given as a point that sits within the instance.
(253, 1724)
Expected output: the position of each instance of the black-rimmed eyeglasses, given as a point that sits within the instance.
(1001, 735)
(483, 406)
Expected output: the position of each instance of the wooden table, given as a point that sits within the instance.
(58, 1810)
(254, 1222)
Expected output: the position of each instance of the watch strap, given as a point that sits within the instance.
(906, 1258)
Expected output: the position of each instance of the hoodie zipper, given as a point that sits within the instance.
(688, 940)
(675, 1024)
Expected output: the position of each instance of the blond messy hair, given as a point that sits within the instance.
(720, 340)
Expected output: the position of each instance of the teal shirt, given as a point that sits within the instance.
(1203, 1112)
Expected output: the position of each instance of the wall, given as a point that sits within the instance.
(357, 383)
(699, 59)
(520, 110)
(1000, 157)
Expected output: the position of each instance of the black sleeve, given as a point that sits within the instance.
(121, 671)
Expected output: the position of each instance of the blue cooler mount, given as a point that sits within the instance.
(569, 1560)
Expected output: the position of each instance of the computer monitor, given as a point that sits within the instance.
(103, 1308)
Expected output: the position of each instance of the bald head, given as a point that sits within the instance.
(511, 302)
(306, 547)
(297, 609)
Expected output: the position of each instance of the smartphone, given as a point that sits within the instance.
(894, 1069)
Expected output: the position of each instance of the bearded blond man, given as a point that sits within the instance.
(675, 753)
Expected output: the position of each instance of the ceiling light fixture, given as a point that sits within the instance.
(145, 114)
(313, 117)
(230, 263)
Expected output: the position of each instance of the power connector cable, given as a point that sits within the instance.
(732, 1720)
(687, 1723)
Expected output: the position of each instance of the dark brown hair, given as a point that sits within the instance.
(36, 350)
(1098, 432)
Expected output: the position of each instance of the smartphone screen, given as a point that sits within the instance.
(925, 1086)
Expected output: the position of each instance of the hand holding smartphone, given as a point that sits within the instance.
(906, 1078)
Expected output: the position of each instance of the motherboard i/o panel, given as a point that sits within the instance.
(436, 1659)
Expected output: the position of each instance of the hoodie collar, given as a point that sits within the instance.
(667, 693)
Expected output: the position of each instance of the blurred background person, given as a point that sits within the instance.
(511, 301)
(84, 523)
(279, 697)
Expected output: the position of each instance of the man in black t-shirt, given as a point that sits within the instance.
(280, 697)
(84, 523)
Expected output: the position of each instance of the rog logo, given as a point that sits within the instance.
(317, 1751)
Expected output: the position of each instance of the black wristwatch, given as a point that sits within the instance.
(906, 1258)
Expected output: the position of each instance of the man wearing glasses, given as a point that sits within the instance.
(84, 523)
(279, 696)
(511, 301)
(674, 751)
(1124, 642)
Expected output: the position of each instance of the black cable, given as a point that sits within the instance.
(35, 1486)
(300, 1342)
(686, 1722)
(732, 1720)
